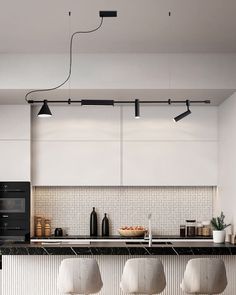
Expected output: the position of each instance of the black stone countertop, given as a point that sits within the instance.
(119, 248)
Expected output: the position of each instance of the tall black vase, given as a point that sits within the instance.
(93, 223)
(105, 226)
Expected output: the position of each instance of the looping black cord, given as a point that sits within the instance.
(70, 64)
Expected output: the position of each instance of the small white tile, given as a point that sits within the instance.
(70, 207)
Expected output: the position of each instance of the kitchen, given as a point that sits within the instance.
(110, 141)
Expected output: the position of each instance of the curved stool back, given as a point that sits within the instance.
(79, 276)
(204, 276)
(143, 275)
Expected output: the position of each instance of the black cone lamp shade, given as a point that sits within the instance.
(44, 111)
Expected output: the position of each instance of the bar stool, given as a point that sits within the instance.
(79, 276)
(143, 275)
(204, 276)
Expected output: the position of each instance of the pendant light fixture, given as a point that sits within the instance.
(44, 111)
(137, 109)
(185, 114)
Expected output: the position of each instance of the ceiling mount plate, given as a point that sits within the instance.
(109, 13)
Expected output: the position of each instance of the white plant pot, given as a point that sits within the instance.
(219, 236)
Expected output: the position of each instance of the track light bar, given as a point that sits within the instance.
(97, 102)
(104, 13)
(119, 102)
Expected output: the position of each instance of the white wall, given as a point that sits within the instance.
(120, 71)
(227, 158)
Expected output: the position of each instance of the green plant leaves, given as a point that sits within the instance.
(218, 222)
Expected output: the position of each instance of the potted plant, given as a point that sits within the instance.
(219, 227)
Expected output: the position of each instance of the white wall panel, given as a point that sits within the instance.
(170, 163)
(77, 123)
(227, 159)
(27, 275)
(76, 163)
(15, 160)
(14, 122)
(156, 123)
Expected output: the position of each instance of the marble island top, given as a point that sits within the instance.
(160, 246)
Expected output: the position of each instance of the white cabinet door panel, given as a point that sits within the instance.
(156, 123)
(15, 160)
(14, 122)
(77, 123)
(76, 163)
(168, 163)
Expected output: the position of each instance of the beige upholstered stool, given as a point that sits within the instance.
(79, 276)
(204, 276)
(143, 275)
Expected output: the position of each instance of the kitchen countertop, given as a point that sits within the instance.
(116, 245)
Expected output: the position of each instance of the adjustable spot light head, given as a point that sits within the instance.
(185, 114)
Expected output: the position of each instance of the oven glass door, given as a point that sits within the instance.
(12, 205)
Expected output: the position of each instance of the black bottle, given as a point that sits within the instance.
(105, 226)
(93, 223)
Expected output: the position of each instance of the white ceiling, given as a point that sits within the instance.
(32, 26)
(217, 96)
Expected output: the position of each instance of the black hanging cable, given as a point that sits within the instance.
(70, 63)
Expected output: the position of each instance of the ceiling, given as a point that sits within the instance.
(217, 96)
(142, 26)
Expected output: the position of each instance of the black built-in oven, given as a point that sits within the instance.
(15, 211)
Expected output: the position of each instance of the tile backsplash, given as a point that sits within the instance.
(70, 207)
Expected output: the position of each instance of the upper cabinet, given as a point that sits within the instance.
(108, 146)
(76, 146)
(159, 151)
(156, 124)
(15, 122)
(15, 143)
(77, 123)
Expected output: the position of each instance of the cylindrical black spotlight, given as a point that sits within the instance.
(44, 111)
(181, 116)
(185, 114)
(137, 109)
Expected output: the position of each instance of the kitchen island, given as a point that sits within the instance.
(119, 248)
(35, 265)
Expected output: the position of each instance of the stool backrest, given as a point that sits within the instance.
(204, 276)
(143, 275)
(79, 276)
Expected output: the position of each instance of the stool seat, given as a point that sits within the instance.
(143, 275)
(204, 276)
(79, 276)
